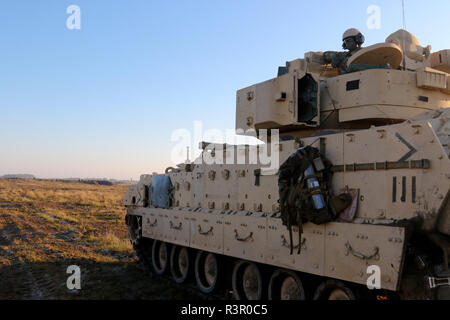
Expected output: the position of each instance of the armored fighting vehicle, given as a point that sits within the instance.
(347, 198)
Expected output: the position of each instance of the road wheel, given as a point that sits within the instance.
(207, 272)
(247, 281)
(180, 264)
(160, 257)
(286, 285)
(333, 290)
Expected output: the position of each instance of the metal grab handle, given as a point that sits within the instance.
(153, 224)
(285, 243)
(176, 228)
(357, 254)
(249, 238)
(437, 282)
(205, 233)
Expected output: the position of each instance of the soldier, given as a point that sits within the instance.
(352, 41)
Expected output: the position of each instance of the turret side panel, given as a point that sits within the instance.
(383, 94)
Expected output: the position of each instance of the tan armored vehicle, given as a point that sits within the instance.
(348, 198)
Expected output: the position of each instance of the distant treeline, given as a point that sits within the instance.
(103, 182)
(99, 182)
(18, 176)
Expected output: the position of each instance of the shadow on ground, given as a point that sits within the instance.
(43, 280)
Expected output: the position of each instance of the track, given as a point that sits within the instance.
(276, 283)
(143, 252)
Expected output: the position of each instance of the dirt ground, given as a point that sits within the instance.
(46, 226)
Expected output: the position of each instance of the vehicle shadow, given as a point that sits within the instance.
(98, 280)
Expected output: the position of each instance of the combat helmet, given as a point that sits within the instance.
(352, 38)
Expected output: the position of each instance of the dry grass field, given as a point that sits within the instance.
(46, 226)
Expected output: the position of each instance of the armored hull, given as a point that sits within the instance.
(381, 142)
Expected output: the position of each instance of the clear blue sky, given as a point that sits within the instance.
(103, 101)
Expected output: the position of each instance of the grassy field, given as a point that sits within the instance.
(46, 226)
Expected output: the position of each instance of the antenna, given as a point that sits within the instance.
(404, 36)
(403, 10)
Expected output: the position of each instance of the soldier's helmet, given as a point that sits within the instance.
(352, 38)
